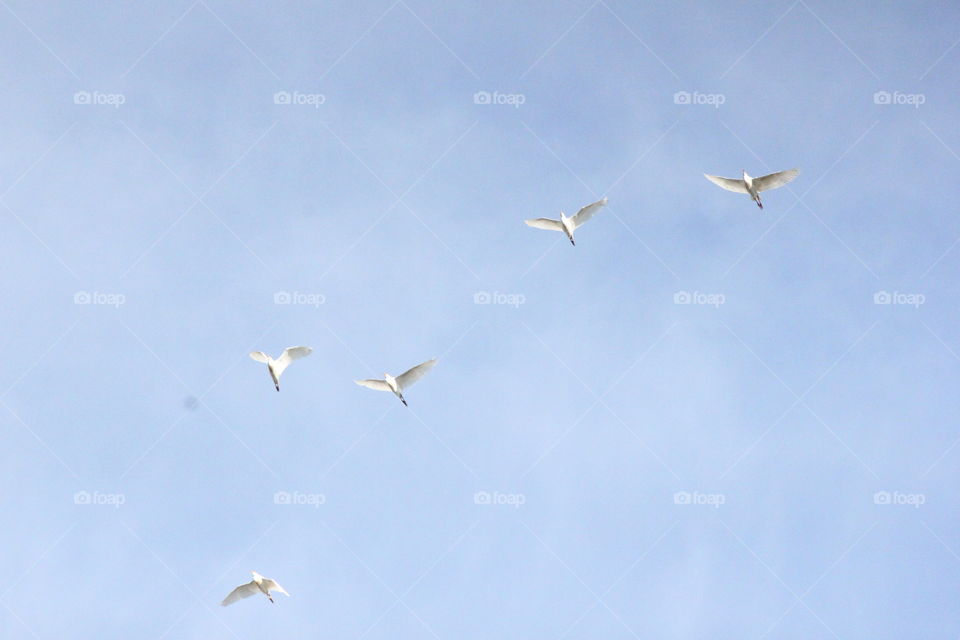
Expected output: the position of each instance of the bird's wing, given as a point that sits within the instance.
(410, 376)
(260, 356)
(587, 212)
(730, 184)
(545, 223)
(241, 592)
(377, 385)
(272, 585)
(289, 355)
(774, 180)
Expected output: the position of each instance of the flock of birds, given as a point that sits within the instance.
(398, 384)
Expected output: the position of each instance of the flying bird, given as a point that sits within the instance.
(565, 224)
(259, 584)
(754, 186)
(277, 367)
(402, 382)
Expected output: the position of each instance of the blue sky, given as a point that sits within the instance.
(591, 457)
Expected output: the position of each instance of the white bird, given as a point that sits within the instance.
(277, 367)
(565, 224)
(402, 382)
(259, 584)
(754, 186)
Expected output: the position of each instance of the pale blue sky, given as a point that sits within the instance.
(598, 403)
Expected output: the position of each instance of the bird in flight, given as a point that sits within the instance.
(259, 584)
(754, 186)
(402, 382)
(277, 367)
(565, 224)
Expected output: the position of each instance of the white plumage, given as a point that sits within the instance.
(278, 366)
(398, 384)
(753, 186)
(259, 584)
(571, 224)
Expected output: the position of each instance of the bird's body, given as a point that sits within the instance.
(748, 183)
(277, 367)
(753, 186)
(398, 384)
(568, 224)
(258, 584)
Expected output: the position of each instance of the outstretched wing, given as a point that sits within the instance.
(376, 385)
(241, 592)
(775, 180)
(410, 376)
(587, 212)
(545, 223)
(730, 184)
(260, 356)
(272, 585)
(289, 355)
